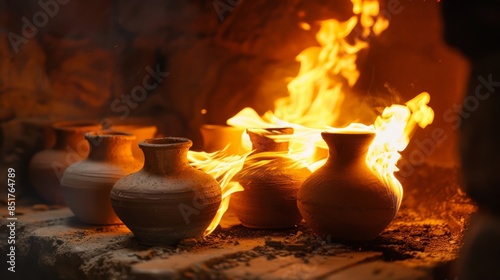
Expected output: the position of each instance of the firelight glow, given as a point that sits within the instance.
(327, 74)
(222, 167)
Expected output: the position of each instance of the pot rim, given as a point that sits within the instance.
(275, 130)
(214, 127)
(110, 134)
(359, 133)
(169, 142)
(353, 135)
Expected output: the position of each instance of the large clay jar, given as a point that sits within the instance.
(167, 200)
(344, 200)
(86, 184)
(270, 181)
(46, 168)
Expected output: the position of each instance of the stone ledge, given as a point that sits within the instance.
(54, 245)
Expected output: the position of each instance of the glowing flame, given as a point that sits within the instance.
(393, 130)
(222, 167)
(327, 74)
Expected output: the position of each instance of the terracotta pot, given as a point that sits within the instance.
(217, 137)
(270, 196)
(167, 200)
(86, 184)
(47, 167)
(343, 199)
(141, 131)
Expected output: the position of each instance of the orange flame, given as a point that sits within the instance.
(327, 73)
(222, 167)
(393, 131)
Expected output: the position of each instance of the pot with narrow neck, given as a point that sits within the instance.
(270, 179)
(168, 199)
(86, 184)
(47, 167)
(344, 199)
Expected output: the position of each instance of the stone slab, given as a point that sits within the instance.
(380, 271)
(320, 266)
(27, 216)
(174, 266)
(260, 266)
(53, 244)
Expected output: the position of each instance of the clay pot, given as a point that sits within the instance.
(86, 184)
(343, 199)
(270, 196)
(217, 137)
(141, 132)
(167, 200)
(47, 167)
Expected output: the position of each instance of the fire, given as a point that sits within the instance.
(393, 129)
(222, 167)
(327, 74)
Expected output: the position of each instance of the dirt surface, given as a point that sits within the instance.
(64, 248)
(409, 237)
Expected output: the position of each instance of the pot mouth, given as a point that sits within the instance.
(109, 134)
(213, 127)
(166, 142)
(352, 135)
(272, 131)
(352, 129)
(359, 133)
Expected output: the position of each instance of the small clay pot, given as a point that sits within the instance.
(141, 132)
(218, 137)
(86, 184)
(167, 200)
(269, 198)
(47, 167)
(343, 199)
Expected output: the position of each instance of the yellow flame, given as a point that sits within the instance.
(393, 130)
(327, 74)
(222, 167)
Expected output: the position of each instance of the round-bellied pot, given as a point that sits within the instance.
(343, 199)
(46, 168)
(86, 184)
(168, 199)
(270, 180)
